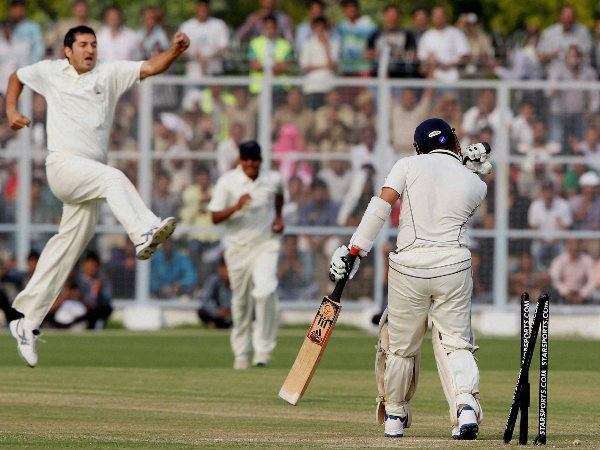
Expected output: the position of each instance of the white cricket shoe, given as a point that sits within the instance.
(154, 237)
(467, 428)
(261, 359)
(241, 363)
(394, 426)
(25, 341)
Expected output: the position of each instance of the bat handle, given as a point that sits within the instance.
(354, 251)
(336, 295)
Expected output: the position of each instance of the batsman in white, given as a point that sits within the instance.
(81, 95)
(248, 201)
(429, 273)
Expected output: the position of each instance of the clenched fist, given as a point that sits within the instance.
(181, 42)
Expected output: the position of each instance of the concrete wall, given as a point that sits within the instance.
(485, 323)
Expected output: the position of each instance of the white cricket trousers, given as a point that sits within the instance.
(411, 299)
(253, 277)
(81, 184)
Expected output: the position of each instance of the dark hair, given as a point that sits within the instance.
(201, 169)
(250, 150)
(321, 19)
(91, 254)
(318, 183)
(71, 34)
(270, 18)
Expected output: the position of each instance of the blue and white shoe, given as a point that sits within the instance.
(155, 236)
(394, 426)
(25, 341)
(467, 427)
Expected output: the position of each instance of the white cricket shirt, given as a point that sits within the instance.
(80, 107)
(438, 195)
(251, 224)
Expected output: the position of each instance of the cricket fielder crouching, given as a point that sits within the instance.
(429, 273)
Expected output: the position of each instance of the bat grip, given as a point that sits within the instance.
(336, 295)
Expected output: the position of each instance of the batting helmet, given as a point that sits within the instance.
(432, 134)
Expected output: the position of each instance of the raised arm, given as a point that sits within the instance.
(161, 62)
(16, 120)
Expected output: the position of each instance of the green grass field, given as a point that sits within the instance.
(175, 389)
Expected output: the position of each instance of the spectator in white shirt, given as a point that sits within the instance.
(116, 42)
(314, 9)
(548, 214)
(14, 53)
(486, 113)
(318, 60)
(443, 47)
(209, 41)
(573, 274)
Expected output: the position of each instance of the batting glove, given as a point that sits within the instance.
(475, 158)
(340, 265)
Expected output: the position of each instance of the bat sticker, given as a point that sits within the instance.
(321, 326)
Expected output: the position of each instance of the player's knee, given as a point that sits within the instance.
(264, 289)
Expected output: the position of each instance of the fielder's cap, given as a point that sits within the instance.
(589, 179)
(18, 2)
(434, 133)
(250, 150)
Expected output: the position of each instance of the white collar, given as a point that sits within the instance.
(446, 152)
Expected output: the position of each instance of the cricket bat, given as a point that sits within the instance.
(316, 339)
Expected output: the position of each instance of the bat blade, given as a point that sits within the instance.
(310, 353)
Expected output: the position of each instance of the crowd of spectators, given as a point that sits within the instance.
(324, 138)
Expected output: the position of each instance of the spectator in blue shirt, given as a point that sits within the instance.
(95, 291)
(354, 33)
(26, 31)
(172, 273)
(215, 310)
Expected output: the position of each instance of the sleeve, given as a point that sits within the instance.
(334, 48)
(218, 201)
(223, 36)
(279, 184)
(555, 276)
(304, 59)
(252, 54)
(396, 179)
(462, 45)
(566, 216)
(124, 74)
(590, 275)
(36, 76)
(544, 43)
(423, 47)
(532, 217)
